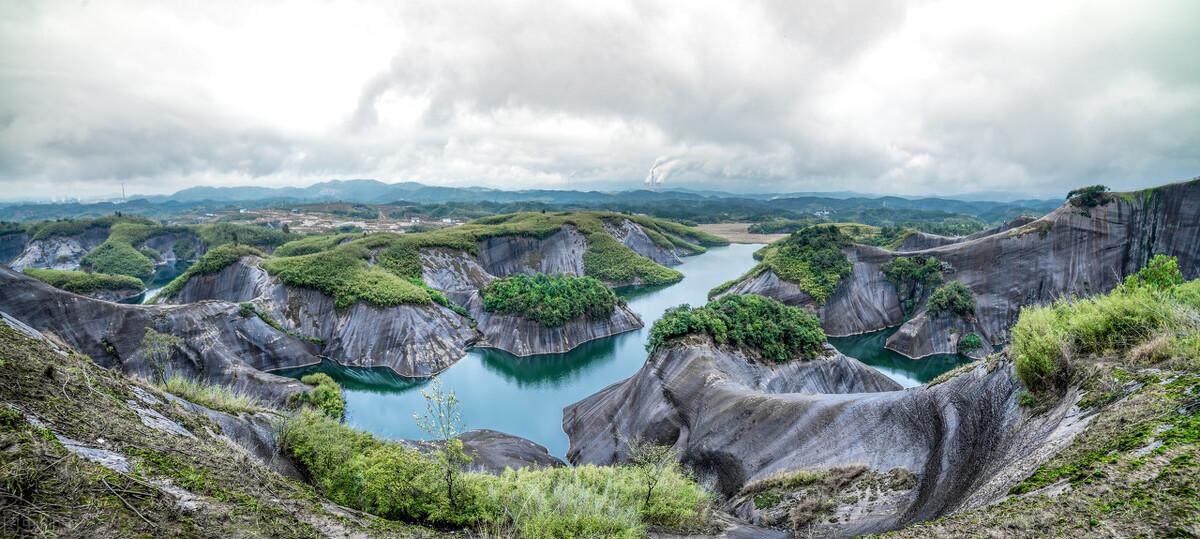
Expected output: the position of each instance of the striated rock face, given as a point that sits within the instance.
(1069, 252)
(966, 440)
(218, 345)
(562, 252)
(412, 340)
(521, 336)
(632, 235)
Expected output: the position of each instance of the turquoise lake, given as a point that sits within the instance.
(525, 396)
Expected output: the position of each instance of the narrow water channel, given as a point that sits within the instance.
(525, 396)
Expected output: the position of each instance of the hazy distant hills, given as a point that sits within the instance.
(694, 205)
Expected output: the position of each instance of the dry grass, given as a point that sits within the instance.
(739, 233)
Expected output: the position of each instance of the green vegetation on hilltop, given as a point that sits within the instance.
(311, 244)
(73, 227)
(81, 282)
(118, 259)
(812, 258)
(761, 324)
(1089, 197)
(213, 261)
(955, 298)
(344, 275)
(257, 236)
(550, 300)
(611, 261)
(1154, 316)
(356, 469)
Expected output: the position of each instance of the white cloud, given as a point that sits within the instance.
(898, 97)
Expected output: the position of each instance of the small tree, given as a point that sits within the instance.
(157, 348)
(1088, 197)
(953, 297)
(443, 420)
(652, 461)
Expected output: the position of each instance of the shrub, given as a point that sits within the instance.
(813, 259)
(81, 282)
(258, 236)
(761, 324)
(311, 244)
(357, 470)
(953, 297)
(551, 301)
(912, 275)
(326, 395)
(969, 343)
(1161, 272)
(1148, 307)
(215, 396)
(1088, 197)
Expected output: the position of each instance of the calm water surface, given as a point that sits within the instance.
(526, 396)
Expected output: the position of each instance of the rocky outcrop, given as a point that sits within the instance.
(561, 252)
(636, 239)
(1072, 251)
(217, 345)
(521, 336)
(59, 252)
(494, 451)
(965, 441)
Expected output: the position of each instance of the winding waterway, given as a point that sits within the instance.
(525, 396)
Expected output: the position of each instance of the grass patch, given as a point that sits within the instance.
(312, 244)
(81, 282)
(550, 300)
(611, 261)
(215, 396)
(760, 324)
(343, 274)
(74, 227)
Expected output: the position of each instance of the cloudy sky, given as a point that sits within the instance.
(906, 97)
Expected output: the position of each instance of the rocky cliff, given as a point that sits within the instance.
(217, 343)
(59, 252)
(1071, 251)
(739, 425)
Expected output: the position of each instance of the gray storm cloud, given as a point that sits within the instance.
(900, 97)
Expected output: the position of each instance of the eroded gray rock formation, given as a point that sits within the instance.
(218, 345)
(1072, 251)
(966, 441)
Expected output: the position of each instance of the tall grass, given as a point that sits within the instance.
(356, 469)
(218, 397)
(1147, 309)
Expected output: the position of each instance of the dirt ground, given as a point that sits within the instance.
(736, 233)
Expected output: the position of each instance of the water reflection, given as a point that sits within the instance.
(869, 348)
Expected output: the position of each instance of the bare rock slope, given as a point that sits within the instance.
(963, 442)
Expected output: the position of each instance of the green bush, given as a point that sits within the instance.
(953, 297)
(81, 282)
(357, 470)
(811, 258)
(73, 227)
(969, 343)
(1088, 197)
(912, 276)
(550, 300)
(762, 324)
(326, 395)
(1150, 306)
(118, 258)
